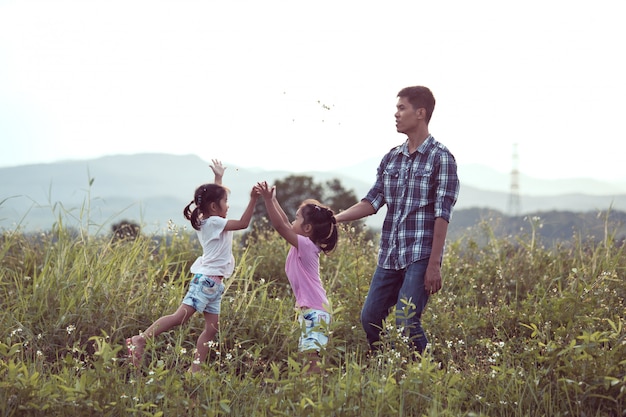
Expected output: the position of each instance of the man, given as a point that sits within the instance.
(418, 182)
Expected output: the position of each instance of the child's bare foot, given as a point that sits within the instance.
(135, 346)
(195, 367)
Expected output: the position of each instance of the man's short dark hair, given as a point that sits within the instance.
(420, 97)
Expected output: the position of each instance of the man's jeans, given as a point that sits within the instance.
(388, 288)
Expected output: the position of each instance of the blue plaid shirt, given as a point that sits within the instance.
(417, 188)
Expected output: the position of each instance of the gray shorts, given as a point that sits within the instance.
(204, 294)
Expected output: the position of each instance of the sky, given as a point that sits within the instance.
(301, 85)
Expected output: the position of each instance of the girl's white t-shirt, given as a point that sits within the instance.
(217, 249)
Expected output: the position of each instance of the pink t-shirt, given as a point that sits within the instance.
(303, 271)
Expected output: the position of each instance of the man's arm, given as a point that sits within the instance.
(432, 280)
(361, 209)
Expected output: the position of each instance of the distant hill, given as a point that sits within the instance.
(153, 188)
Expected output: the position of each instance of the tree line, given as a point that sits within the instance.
(550, 227)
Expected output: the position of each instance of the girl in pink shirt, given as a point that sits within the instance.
(313, 231)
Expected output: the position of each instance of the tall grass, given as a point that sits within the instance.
(518, 330)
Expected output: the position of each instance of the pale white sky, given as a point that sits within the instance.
(311, 85)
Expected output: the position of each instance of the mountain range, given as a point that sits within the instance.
(152, 189)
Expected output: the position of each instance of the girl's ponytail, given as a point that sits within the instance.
(324, 224)
(203, 197)
(329, 242)
(187, 211)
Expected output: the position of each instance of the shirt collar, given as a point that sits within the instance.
(421, 149)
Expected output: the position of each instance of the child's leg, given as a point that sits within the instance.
(311, 358)
(211, 326)
(165, 323)
(137, 343)
(313, 337)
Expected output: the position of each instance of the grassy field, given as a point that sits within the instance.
(519, 329)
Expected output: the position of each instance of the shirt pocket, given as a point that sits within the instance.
(394, 180)
(421, 185)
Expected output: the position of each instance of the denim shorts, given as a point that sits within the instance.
(314, 334)
(204, 294)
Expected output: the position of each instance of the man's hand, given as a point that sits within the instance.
(432, 279)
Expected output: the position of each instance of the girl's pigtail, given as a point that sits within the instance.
(192, 215)
(329, 243)
(203, 197)
(187, 211)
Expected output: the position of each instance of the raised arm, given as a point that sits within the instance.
(246, 217)
(218, 171)
(277, 215)
(279, 209)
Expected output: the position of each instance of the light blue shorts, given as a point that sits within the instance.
(314, 329)
(204, 294)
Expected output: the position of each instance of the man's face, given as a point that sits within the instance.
(407, 118)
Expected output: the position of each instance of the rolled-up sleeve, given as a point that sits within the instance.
(376, 194)
(448, 185)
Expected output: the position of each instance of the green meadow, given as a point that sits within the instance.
(519, 329)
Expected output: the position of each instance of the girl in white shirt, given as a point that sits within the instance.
(215, 232)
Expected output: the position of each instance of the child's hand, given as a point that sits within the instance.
(256, 191)
(265, 190)
(218, 168)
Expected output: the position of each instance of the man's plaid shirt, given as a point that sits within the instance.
(417, 188)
